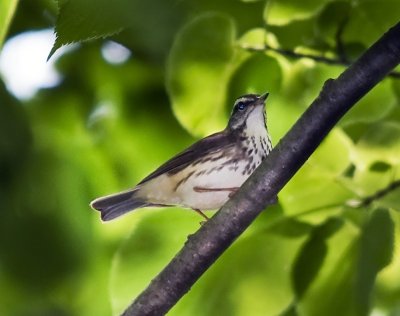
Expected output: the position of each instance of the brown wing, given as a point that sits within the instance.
(213, 143)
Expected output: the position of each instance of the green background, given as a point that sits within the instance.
(106, 126)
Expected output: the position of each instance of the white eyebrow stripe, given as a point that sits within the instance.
(244, 99)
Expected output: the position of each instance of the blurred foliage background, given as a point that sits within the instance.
(321, 251)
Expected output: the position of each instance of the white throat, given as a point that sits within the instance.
(255, 123)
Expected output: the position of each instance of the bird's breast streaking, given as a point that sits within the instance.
(208, 173)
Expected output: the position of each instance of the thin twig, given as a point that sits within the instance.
(341, 52)
(317, 58)
(366, 201)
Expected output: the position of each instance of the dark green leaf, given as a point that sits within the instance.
(373, 18)
(379, 166)
(376, 248)
(331, 292)
(312, 255)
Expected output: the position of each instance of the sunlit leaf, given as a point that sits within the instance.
(284, 11)
(199, 66)
(7, 10)
(304, 79)
(315, 187)
(375, 105)
(381, 142)
(376, 162)
(258, 74)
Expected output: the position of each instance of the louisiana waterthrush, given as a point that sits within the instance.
(208, 173)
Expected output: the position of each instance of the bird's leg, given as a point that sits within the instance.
(233, 191)
(203, 190)
(201, 214)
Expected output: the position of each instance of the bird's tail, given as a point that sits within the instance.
(112, 206)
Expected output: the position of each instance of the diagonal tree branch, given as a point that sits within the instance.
(260, 190)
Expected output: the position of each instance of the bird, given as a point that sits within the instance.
(205, 175)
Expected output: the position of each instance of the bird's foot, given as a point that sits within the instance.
(203, 215)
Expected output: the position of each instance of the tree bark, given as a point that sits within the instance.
(216, 235)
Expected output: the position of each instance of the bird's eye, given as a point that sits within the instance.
(241, 106)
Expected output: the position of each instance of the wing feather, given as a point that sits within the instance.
(213, 143)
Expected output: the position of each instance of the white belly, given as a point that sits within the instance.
(180, 189)
(226, 178)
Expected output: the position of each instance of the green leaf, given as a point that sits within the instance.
(332, 17)
(307, 192)
(376, 162)
(257, 74)
(381, 142)
(90, 19)
(372, 17)
(368, 182)
(296, 33)
(312, 255)
(376, 248)
(387, 289)
(257, 285)
(147, 31)
(331, 292)
(374, 106)
(304, 78)
(152, 244)
(7, 10)
(290, 227)
(391, 200)
(257, 282)
(284, 11)
(199, 67)
(290, 310)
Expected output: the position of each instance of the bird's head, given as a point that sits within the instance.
(248, 113)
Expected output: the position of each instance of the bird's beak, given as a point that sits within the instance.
(264, 96)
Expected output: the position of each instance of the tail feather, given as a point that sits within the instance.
(112, 206)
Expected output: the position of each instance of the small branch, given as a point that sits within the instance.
(293, 54)
(342, 61)
(341, 52)
(216, 235)
(366, 201)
